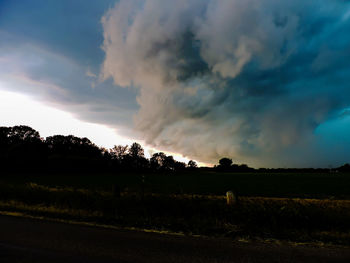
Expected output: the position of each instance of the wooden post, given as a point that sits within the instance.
(230, 198)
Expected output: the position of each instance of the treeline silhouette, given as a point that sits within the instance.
(22, 149)
(227, 165)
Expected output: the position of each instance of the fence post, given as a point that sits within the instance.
(231, 198)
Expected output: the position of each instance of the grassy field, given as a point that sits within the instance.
(329, 185)
(302, 208)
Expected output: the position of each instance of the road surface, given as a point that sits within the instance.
(34, 240)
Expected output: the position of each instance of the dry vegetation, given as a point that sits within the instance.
(294, 219)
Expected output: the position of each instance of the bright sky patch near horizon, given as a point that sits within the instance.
(17, 109)
(264, 83)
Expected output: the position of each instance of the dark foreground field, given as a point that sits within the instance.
(288, 207)
(309, 185)
(29, 240)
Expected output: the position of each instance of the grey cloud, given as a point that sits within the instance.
(51, 51)
(244, 79)
(59, 81)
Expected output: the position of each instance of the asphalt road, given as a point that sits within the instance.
(32, 240)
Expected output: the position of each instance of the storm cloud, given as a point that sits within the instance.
(50, 51)
(251, 80)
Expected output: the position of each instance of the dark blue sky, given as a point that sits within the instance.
(71, 28)
(265, 84)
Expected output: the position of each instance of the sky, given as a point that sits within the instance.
(266, 83)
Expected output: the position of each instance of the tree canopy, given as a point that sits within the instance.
(22, 148)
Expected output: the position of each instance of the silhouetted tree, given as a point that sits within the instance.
(169, 163)
(142, 164)
(70, 152)
(192, 164)
(106, 155)
(23, 133)
(179, 166)
(136, 150)
(21, 148)
(118, 152)
(157, 161)
(135, 159)
(4, 140)
(225, 163)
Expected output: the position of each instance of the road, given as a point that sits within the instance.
(34, 240)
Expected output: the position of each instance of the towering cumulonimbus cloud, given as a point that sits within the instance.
(251, 80)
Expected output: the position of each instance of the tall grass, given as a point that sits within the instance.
(253, 217)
